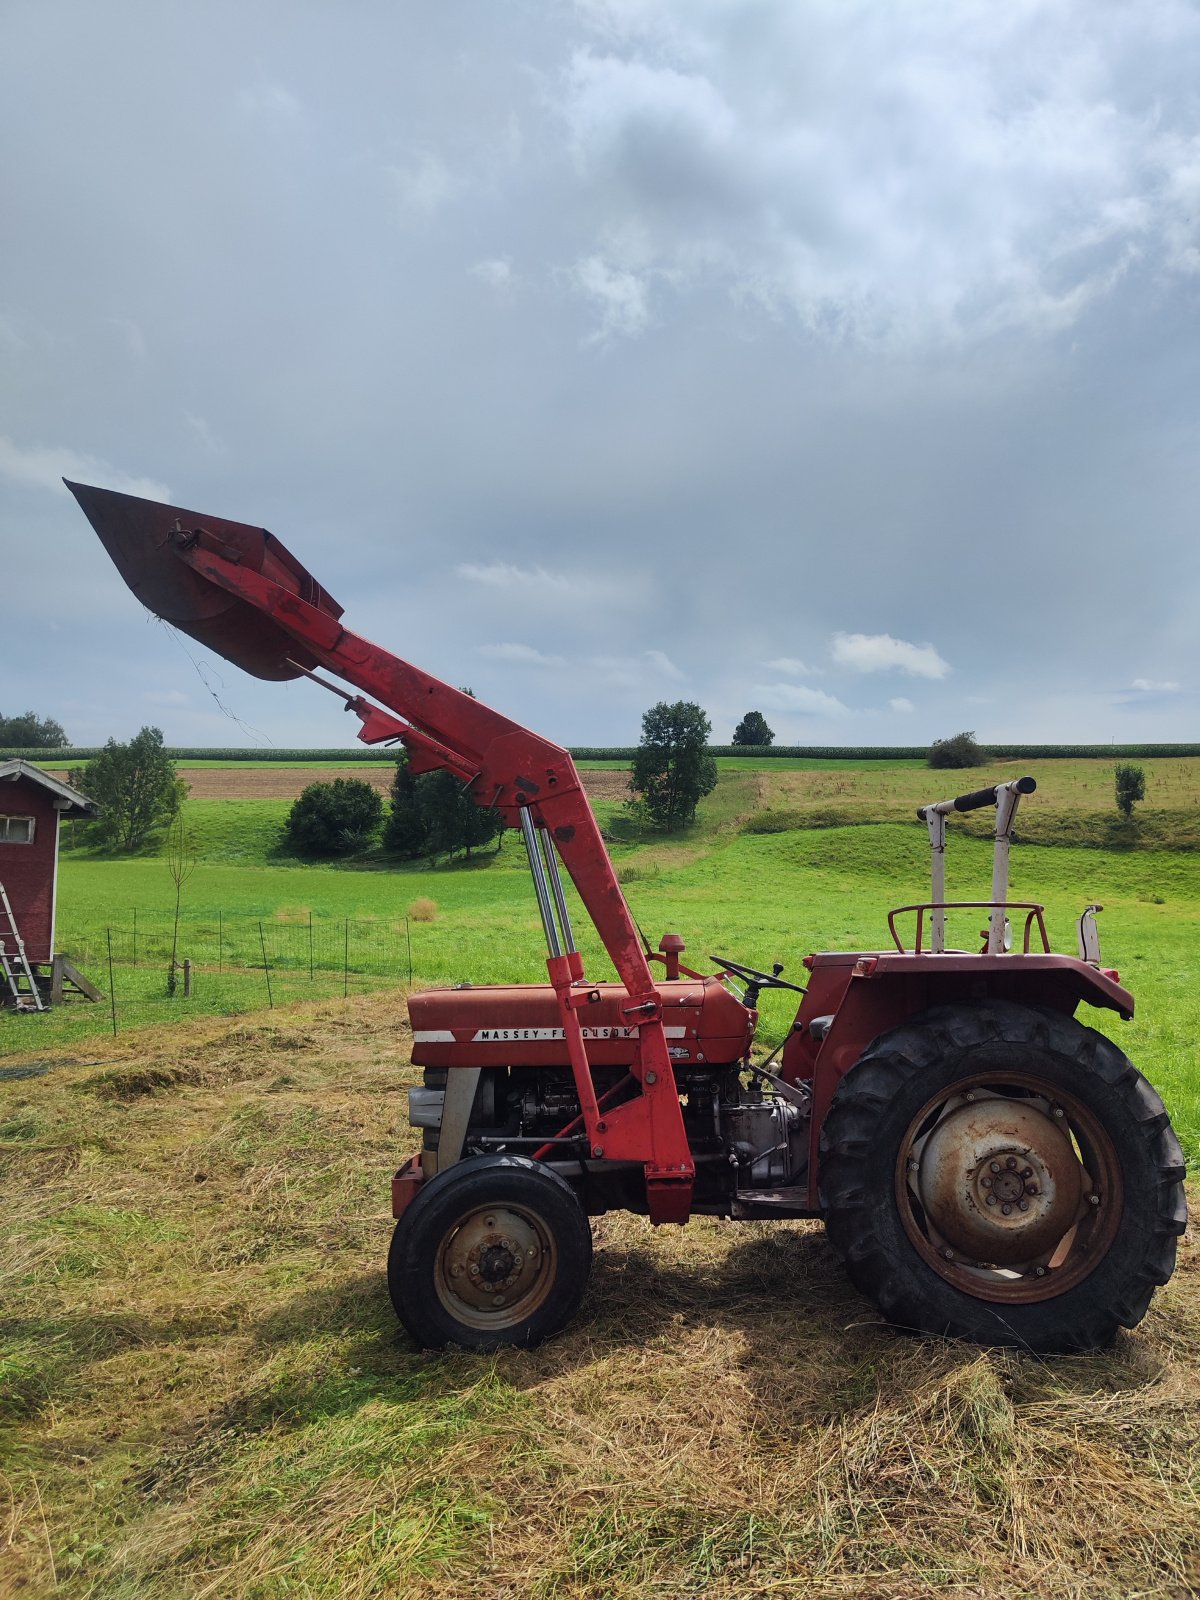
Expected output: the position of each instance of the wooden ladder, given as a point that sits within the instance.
(13, 962)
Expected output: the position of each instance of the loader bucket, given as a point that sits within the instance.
(137, 535)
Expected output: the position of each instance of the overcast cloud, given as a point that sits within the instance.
(837, 360)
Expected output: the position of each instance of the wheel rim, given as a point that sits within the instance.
(1009, 1187)
(495, 1266)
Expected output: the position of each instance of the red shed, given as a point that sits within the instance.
(32, 803)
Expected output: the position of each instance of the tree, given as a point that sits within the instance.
(181, 863)
(961, 751)
(405, 831)
(1131, 787)
(434, 815)
(672, 769)
(334, 819)
(752, 729)
(31, 732)
(136, 787)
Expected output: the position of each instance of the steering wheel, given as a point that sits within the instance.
(756, 980)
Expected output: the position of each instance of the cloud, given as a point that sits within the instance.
(1148, 686)
(503, 575)
(797, 697)
(664, 666)
(888, 174)
(902, 705)
(879, 652)
(518, 654)
(424, 183)
(269, 100)
(791, 666)
(621, 297)
(44, 467)
(496, 272)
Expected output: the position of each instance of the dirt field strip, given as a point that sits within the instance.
(288, 783)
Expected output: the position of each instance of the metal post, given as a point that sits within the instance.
(1008, 797)
(262, 939)
(187, 977)
(346, 960)
(220, 941)
(936, 823)
(550, 856)
(408, 936)
(135, 936)
(112, 987)
(540, 889)
(310, 948)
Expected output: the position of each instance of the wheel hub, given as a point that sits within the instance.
(1000, 1181)
(494, 1263)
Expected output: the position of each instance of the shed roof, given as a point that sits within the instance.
(67, 800)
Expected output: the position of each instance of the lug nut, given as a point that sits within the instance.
(1027, 1172)
(970, 1095)
(991, 1199)
(1011, 1163)
(1007, 1209)
(1093, 1199)
(1022, 1205)
(995, 1166)
(1031, 1188)
(948, 1254)
(1056, 1111)
(986, 1182)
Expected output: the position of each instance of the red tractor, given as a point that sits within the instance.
(986, 1165)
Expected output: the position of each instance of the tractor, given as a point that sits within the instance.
(987, 1166)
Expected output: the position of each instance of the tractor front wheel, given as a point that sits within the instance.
(1002, 1174)
(493, 1251)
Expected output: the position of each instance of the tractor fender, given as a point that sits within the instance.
(852, 999)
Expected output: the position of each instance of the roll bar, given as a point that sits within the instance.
(1005, 797)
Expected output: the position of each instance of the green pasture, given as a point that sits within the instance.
(757, 896)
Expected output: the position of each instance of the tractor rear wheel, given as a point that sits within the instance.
(493, 1251)
(1003, 1174)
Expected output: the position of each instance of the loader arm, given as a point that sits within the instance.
(239, 591)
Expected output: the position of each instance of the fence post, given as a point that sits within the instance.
(310, 948)
(346, 960)
(220, 941)
(262, 939)
(187, 977)
(135, 936)
(112, 988)
(408, 936)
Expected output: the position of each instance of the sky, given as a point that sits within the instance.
(838, 360)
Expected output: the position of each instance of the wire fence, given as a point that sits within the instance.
(148, 971)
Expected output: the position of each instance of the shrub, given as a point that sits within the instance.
(423, 910)
(334, 819)
(961, 751)
(1130, 786)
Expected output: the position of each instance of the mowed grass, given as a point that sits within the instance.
(205, 1392)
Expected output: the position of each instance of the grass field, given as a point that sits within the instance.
(203, 1390)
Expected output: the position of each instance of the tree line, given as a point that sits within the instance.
(432, 814)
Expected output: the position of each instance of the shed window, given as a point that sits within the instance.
(16, 830)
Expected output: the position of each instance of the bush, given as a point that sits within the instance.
(334, 819)
(961, 751)
(1131, 787)
(423, 910)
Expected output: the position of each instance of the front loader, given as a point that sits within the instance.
(987, 1166)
